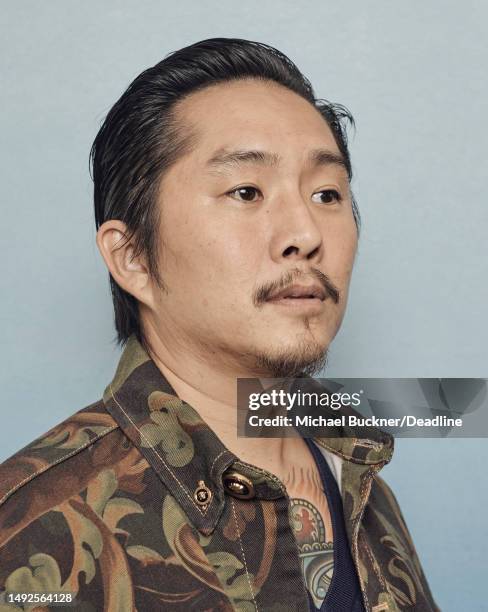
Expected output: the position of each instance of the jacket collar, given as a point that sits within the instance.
(182, 448)
(366, 445)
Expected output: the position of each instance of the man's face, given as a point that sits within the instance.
(252, 209)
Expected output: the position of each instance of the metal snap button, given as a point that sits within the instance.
(238, 485)
(202, 495)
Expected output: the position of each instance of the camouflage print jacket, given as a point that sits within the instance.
(130, 504)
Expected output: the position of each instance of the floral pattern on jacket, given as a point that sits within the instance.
(103, 506)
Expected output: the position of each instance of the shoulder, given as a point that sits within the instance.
(61, 497)
(53, 450)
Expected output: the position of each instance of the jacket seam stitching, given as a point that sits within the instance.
(374, 565)
(183, 488)
(364, 491)
(385, 583)
(60, 460)
(217, 457)
(243, 555)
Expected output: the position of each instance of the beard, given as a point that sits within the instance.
(306, 359)
(304, 355)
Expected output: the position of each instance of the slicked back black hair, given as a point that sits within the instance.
(140, 139)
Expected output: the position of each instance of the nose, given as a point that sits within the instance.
(296, 233)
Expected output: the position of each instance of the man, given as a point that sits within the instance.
(226, 220)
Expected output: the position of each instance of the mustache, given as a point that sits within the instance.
(331, 291)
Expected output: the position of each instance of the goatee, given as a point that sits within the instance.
(291, 365)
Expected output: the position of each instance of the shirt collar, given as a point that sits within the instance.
(183, 449)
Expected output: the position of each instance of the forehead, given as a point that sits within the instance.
(255, 114)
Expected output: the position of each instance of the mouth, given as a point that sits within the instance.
(297, 298)
(300, 293)
(300, 298)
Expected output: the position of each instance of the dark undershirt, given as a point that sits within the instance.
(344, 592)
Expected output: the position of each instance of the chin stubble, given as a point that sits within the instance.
(290, 365)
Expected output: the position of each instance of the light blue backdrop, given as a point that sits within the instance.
(412, 73)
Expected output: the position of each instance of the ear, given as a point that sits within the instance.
(130, 273)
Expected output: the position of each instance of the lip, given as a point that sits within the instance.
(299, 292)
(299, 298)
(310, 305)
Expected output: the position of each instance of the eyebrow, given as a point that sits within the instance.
(316, 157)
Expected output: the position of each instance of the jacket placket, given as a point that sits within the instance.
(357, 480)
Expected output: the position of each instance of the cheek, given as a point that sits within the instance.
(210, 266)
(350, 250)
(340, 251)
(225, 243)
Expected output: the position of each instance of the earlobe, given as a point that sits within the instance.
(117, 250)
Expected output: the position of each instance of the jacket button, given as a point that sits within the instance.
(238, 485)
(202, 495)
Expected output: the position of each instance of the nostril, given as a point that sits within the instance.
(290, 250)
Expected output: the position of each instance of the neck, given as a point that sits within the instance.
(210, 389)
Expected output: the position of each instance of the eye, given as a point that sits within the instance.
(247, 193)
(327, 196)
